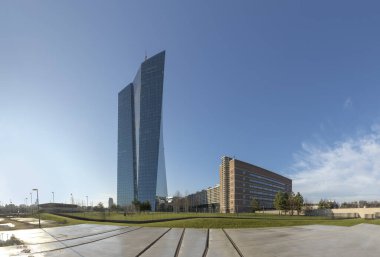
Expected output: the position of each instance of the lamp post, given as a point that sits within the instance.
(86, 205)
(31, 203)
(53, 196)
(38, 208)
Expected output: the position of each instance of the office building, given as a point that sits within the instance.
(213, 198)
(141, 171)
(224, 175)
(206, 200)
(241, 182)
(110, 202)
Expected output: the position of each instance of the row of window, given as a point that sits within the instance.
(264, 178)
(267, 179)
(265, 188)
(268, 187)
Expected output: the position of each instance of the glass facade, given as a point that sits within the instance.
(141, 160)
(126, 171)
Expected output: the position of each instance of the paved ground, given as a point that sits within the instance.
(96, 240)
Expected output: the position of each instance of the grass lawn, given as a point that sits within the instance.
(145, 216)
(248, 220)
(63, 221)
(250, 223)
(168, 215)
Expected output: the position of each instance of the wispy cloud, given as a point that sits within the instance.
(347, 103)
(345, 171)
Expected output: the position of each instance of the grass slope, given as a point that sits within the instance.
(223, 220)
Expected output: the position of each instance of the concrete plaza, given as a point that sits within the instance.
(101, 240)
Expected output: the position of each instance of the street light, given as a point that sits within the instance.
(38, 208)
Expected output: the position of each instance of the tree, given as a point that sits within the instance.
(326, 204)
(99, 207)
(145, 206)
(186, 200)
(285, 202)
(298, 200)
(291, 203)
(137, 204)
(177, 201)
(255, 205)
(278, 201)
(113, 207)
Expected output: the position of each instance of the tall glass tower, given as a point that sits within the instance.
(141, 170)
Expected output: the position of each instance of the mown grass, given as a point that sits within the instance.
(168, 215)
(64, 221)
(144, 216)
(211, 221)
(250, 223)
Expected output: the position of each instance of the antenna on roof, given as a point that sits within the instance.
(146, 56)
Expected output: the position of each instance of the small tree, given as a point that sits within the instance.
(137, 204)
(325, 204)
(298, 200)
(145, 206)
(177, 201)
(255, 205)
(277, 201)
(113, 207)
(291, 203)
(285, 202)
(99, 207)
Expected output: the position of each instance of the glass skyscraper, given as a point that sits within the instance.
(141, 173)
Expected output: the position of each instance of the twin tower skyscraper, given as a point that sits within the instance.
(141, 173)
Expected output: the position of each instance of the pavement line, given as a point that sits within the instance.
(233, 243)
(62, 248)
(179, 243)
(62, 242)
(207, 243)
(147, 247)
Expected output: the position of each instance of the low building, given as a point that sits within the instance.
(59, 207)
(196, 202)
(241, 182)
(206, 200)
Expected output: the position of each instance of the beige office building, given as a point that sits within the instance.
(241, 182)
(206, 200)
(213, 195)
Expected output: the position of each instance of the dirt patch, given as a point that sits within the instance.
(15, 225)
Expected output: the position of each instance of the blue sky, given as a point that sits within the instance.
(292, 86)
